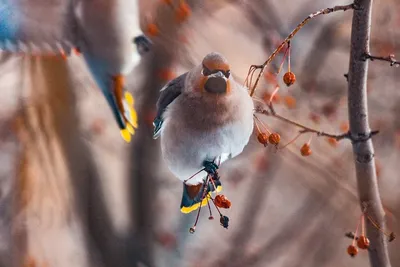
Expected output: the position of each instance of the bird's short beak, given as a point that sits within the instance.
(216, 83)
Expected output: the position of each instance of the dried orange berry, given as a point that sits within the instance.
(344, 126)
(363, 242)
(290, 101)
(222, 202)
(332, 141)
(152, 29)
(289, 78)
(263, 138)
(305, 150)
(182, 12)
(274, 138)
(352, 250)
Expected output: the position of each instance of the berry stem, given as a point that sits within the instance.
(288, 49)
(356, 232)
(291, 141)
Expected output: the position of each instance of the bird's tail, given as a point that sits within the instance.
(195, 195)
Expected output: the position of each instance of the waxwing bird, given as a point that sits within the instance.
(103, 31)
(204, 117)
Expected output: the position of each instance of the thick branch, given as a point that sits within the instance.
(359, 126)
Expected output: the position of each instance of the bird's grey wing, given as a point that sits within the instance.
(167, 95)
(37, 26)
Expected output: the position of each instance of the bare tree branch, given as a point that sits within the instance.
(359, 127)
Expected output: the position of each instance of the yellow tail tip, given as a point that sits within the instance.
(126, 135)
(195, 206)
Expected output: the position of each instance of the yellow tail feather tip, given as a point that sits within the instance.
(130, 129)
(129, 98)
(126, 135)
(195, 206)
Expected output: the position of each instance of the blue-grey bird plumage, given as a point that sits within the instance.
(103, 30)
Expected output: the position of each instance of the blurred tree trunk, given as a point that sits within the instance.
(47, 224)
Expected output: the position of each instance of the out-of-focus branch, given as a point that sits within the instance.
(145, 150)
(359, 127)
(45, 218)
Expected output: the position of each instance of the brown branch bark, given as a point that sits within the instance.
(359, 128)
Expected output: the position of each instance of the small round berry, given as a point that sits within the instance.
(152, 29)
(263, 138)
(363, 242)
(289, 78)
(332, 141)
(192, 230)
(352, 250)
(183, 12)
(305, 150)
(211, 218)
(274, 138)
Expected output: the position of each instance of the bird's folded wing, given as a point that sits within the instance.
(37, 26)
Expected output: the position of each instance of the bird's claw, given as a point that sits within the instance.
(210, 167)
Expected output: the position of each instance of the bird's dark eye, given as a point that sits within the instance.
(206, 71)
(227, 73)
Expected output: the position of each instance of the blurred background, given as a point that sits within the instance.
(72, 193)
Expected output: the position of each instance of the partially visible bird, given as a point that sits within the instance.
(103, 31)
(204, 117)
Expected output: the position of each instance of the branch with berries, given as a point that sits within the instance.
(359, 132)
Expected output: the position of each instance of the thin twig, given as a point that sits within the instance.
(390, 58)
(288, 38)
(305, 129)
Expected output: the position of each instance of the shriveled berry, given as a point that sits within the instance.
(392, 237)
(305, 150)
(222, 202)
(352, 250)
(192, 230)
(263, 138)
(289, 78)
(274, 138)
(363, 242)
(224, 220)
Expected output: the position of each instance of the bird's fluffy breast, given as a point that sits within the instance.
(203, 128)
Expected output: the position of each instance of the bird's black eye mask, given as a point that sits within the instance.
(206, 72)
